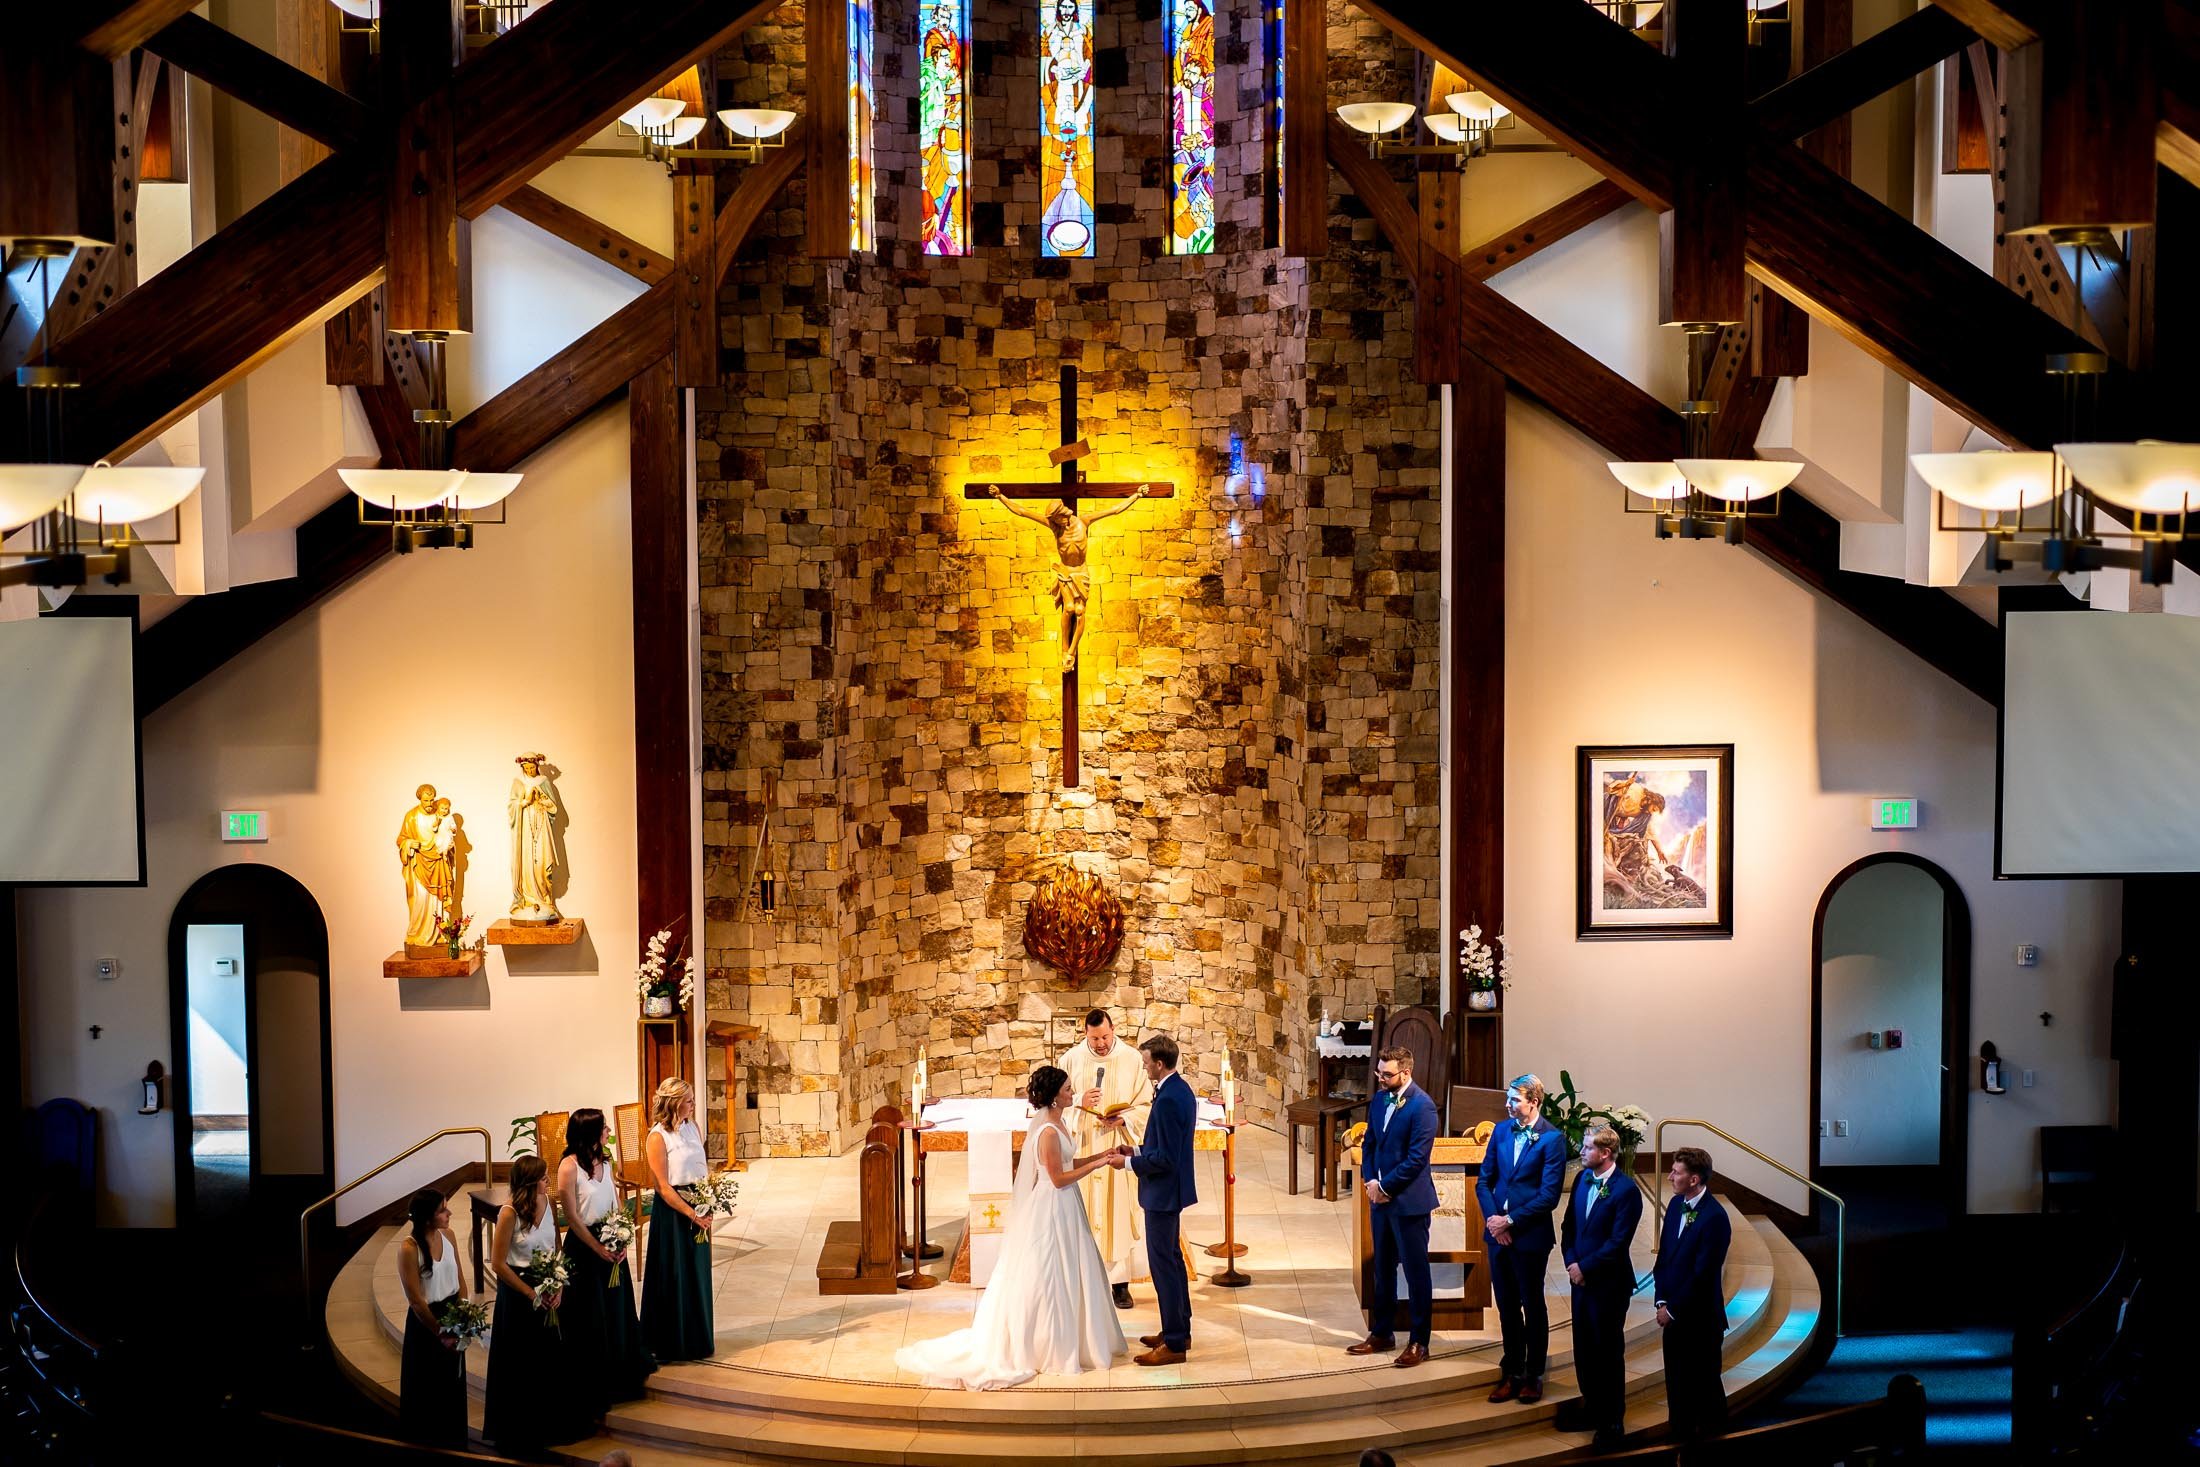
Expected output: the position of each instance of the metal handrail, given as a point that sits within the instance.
(1841, 1208)
(305, 1256)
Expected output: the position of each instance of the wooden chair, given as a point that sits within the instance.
(862, 1254)
(630, 1130)
(1473, 1103)
(550, 1138)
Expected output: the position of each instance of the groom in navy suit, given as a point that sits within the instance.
(1692, 1297)
(1163, 1162)
(1600, 1224)
(1401, 1131)
(1523, 1171)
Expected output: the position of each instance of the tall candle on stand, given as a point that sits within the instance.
(917, 1091)
(1229, 1093)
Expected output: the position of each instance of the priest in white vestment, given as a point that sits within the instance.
(1108, 1076)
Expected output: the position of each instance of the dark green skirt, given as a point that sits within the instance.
(431, 1388)
(604, 1357)
(528, 1405)
(676, 1305)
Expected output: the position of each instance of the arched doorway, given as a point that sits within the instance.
(1890, 1029)
(248, 995)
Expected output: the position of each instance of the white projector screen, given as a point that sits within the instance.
(2100, 744)
(69, 808)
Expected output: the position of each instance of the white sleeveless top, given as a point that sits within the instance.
(597, 1198)
(684, 1158)
(526, 1240)
(441, 1280)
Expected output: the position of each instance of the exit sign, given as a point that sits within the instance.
(1894, 812)
(244, 825)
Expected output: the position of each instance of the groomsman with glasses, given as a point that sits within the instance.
(1692, 1297)
(1523, 1171)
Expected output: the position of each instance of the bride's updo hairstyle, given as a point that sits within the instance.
(1046, 1084)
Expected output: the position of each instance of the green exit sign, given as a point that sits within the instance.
(1894, 812)
(244, 825)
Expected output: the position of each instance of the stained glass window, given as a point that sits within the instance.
(1191, 126)
(1065, 127)
(943, 124)
(862, 215)
(1274, 199)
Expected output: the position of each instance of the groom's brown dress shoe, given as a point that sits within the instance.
(1149, 1341)
(1410, 1356)
(1506, 1390)
(1159, 1355)
(1373, 1345)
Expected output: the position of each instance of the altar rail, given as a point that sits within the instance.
(1840, 1213)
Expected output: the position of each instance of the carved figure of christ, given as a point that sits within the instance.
(1072, 582)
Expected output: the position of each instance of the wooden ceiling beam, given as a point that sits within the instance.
(317, 243)
(1700, 275)
(1827, 91)
(262, 81)
(2081, 109)
(826, 84)
(115, 27)
(2177, 134)
(1305, 208)
(585, 232)
(695, 273)
(2008, 24)
(427, 282)
(1546, 229)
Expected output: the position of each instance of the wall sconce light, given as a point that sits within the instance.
(662, 134)
(759, 883)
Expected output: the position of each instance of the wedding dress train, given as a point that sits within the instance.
(1048, 1308)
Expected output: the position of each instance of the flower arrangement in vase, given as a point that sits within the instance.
(452, 931)
(1577, 1118)
(653, 979)
(1486, 972)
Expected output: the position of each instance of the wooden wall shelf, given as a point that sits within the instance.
(562, 933)
(465, 965)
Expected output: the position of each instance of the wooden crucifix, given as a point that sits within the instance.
(1072, 583)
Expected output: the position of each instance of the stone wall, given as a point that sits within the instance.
(1258, 674)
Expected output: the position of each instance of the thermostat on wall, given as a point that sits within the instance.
(244, 825)
(1893, 812)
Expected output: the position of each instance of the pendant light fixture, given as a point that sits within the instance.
(1464, 127)
(432, 507)
(662, 133)
(2042, 507)
(79, 517)
(1696, 496)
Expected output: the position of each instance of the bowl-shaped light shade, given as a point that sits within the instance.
(131, 493)
(652, 113)
(756, 122)
(401, 489)
(2149, 476)
(479, 491)
(1994, 480)
(1739, 480)
(684, 129)
(30, 490)
(1661, 481)
(360, 9)
(1375, 117)
(1647, 11)
(1446, 126)
(1478, 107)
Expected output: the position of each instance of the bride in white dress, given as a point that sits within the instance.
(1048, 1309)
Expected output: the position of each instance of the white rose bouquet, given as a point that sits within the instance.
(713, 1196)
(547, 1274)
(463, 1320)
(615, 1230)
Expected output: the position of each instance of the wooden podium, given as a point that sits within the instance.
(1465, 1311)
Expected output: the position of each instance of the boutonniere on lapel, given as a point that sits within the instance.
(1602, 1189)
(1686, 1218)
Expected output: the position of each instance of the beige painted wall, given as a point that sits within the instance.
(1613, 637)
(440, 667)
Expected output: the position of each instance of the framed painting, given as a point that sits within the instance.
(1655, 825)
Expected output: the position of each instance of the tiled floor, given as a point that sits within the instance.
(1295, 1319)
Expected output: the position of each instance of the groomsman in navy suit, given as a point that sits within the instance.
(1692, 1298)
(1600, 1223)
(1401, 1132)
(1523, 1171)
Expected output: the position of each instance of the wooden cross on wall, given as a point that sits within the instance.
(1072, 584)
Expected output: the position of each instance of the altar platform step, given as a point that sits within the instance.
(1431, 1415)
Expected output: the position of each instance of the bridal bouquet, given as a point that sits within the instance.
(547, 1274)
(712, 1197)
(615, 1230)
(463, 1320)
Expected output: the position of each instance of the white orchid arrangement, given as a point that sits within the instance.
(652, 978)
(1482, 966)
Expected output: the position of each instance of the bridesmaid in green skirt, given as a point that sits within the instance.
(528, 1405)
(676, 1302)
(605, 1359)
(431, 1383)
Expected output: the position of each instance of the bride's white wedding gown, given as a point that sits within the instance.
(1048, 1308)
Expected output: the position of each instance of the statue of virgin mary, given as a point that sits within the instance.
(532, 809)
